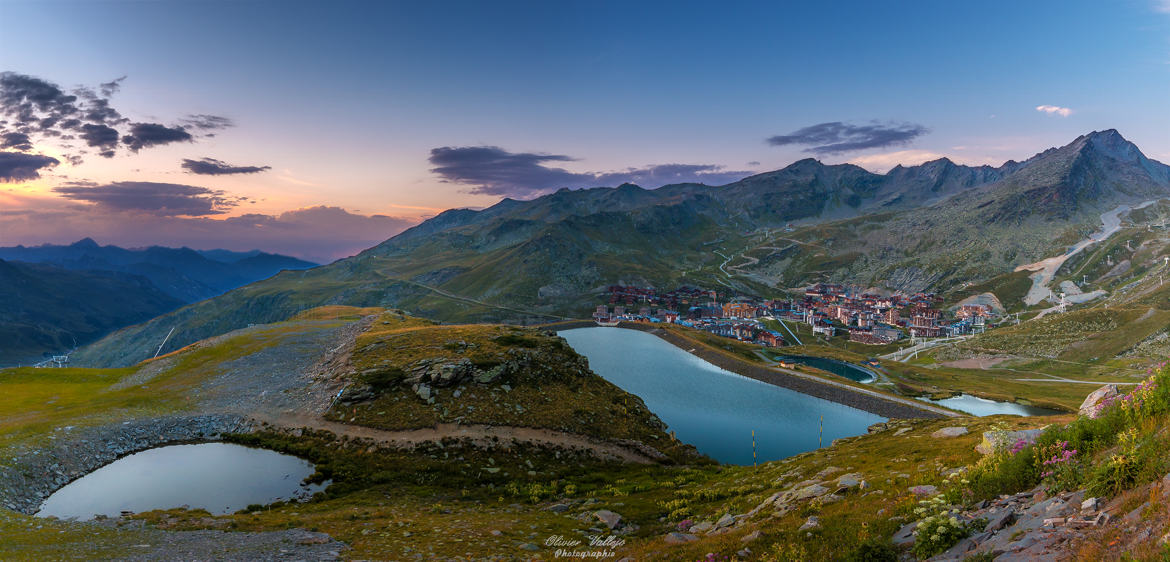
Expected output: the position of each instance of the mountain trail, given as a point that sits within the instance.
(485, 435)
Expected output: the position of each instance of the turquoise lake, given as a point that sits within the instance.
(711, 408)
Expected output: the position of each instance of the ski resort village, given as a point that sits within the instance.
(831, 310)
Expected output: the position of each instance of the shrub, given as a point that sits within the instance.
(873, 550)
(938, 529)
(516, 340)
(1061, 466)
(1006, 471)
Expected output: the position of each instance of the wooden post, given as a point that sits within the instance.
(753, 447)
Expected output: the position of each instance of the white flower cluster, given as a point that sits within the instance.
(938, 528)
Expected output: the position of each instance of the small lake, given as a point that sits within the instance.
(855, 373)
(711, 408)
(219, 477)
(977, 406)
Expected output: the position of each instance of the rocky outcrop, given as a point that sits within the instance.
(949, 432)
(1092, 402)
(1004, 440)
(441, 372)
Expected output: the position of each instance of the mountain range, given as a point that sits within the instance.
(54, 298)
(935, 226)
(45, 308)
(185, 274)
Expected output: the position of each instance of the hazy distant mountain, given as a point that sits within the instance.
(183, 273)
(933, 226)
(45, 308)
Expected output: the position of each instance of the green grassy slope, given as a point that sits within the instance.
(47, 309)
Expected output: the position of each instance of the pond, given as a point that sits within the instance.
(219, 477)
(977, 406)
(855, 373)
(711, 408)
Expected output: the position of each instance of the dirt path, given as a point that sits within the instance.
(481, 434)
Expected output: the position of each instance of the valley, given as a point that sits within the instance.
(438, 385)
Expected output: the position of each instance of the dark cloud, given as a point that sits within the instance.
(206, 122)
(22, 96)
(47, 113)
(19, 141)
(213, 167)
(495, 171)
(837, 137)
(665, 174)
(99, 136)
(17, 166)
(144, 135)
(491, 170)
(160, 199)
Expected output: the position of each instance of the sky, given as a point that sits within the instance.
(318, 129)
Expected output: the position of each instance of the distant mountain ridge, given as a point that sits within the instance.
(183, 273)
(44, 308)
(934, 226)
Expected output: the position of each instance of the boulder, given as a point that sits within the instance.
(700, 527)
(752, 536)
(491, 374)
(423, 391)
(851, 480)
(1004, 440)
(680, 538)
(813, 522)
(726, 521)
(611, 519)
(949, 432)
(905, 535)
(924, 490)
(826, 472)
(1089, 406)
(809, 492)
(999, 520)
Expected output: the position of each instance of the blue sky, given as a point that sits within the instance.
(346, 101)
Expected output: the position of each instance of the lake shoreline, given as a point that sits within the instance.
(825, 390)
(35, 473)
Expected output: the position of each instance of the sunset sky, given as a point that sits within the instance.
(319, 129)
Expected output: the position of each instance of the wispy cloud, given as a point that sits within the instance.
(492, 170)
(1162, 6)
(1054, 110)
(836, 137)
